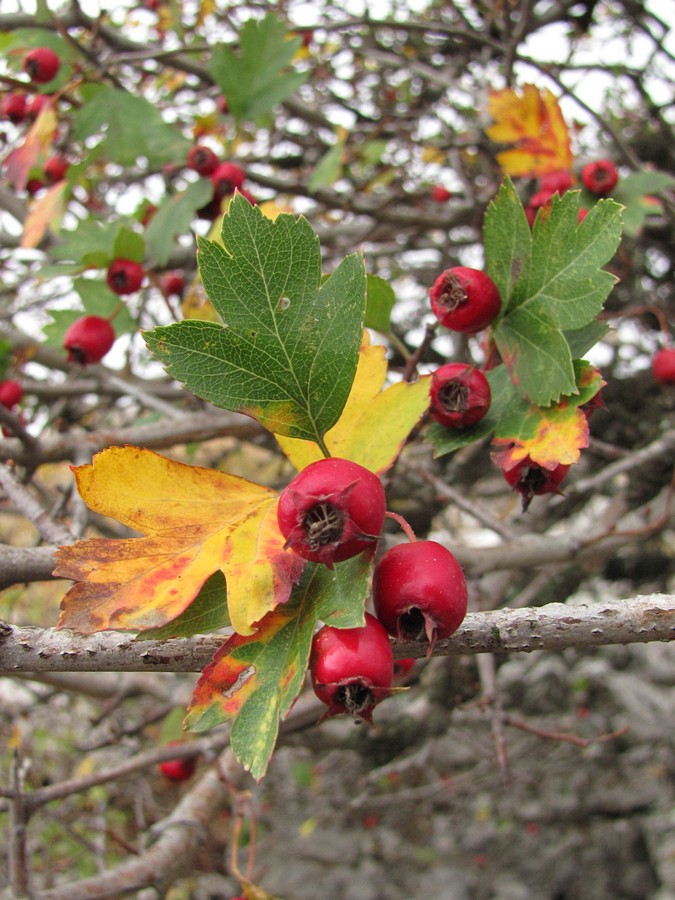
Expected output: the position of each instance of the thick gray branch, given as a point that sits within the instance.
(555, 626)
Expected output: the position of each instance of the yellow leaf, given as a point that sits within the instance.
(533, 123)
(195, 521)
(550, 437)
(274, 208)
(45, 212)
(375, 421)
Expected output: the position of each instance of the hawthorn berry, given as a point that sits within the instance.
(439, 194)
(419, 592)
(352, 669)
(172, 284)
(178, 769)
(530, 479)
(332, 510)
(88, 339)
(41, 64)
(465, 299)
(55, 168)
(600, 177)
(403, 667)
(556, 182)
(14, 107)
(535, 203)
(663, 365)
(202, 159)
(36, 105)
(124, 276)
(11, 393)
(460, 395)
(225, 178)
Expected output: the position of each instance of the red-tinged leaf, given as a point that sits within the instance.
(45, 212)
(34, 149)
(552, 435)
(196, 521)
(533, 122)
(255, 679)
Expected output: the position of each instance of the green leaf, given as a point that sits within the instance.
(329, 167)
(256, 679)
(130, 127)
(582, 339)
(129, 245)
(551, 285)
(173, 218)
(288, 347)
(380, 300)
(255, 78)
(207, 612)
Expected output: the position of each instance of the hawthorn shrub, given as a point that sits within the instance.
(248, 208)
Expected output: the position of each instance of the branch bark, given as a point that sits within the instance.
(639, 619)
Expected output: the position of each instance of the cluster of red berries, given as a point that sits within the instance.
(331, 511)
(226, 177)
(42, 65)
(598, 177)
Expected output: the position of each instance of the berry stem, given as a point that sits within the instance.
(407, 528)
(323, 447)
(118, 309)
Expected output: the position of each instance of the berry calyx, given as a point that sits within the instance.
(124, 276)
(419, 592)
(178, 769)
(465, 299)
(352, 669)
(663, 365)
(202, 159)
(41, 64)
(226, 178)
(55, 169)
(332, 510)
(11, 393)
(88, 339)
(460, 395)
(600, 177)
(530, 479)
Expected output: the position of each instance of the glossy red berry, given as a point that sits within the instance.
(439, 194)
(178, 769)
(663, 365)
(202, 159)
(226, 178)
(556, 182)
(124, 276)
(352, 668)
(332, 510)
(531, 479)
(15, 108)
(172, 284)
(600, 177)
(41, 64)
(460, 395)
(419, 592)
(88, 339)
(55, 168)
(11, 393)
(465, 299)
(403, 667)
(535, 203)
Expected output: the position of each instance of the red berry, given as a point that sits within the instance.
(535, 203)
(88, 339)
(465, 299)
(202, 159)
(172, 284)
(352, 668)
(403, 666)
(37, 104)
(124, 276)
(41, 64)
(460, 395)
(226, 178)
(529, 479)
(439, 194)
(15, 108)
(600, 177)
(582, 214)
(221, 104)
(55, 169)
(332, 510)
(178, 769)
(663, 365)
(11, 393)
(419, 592)
(556, 182)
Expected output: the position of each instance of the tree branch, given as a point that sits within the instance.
(555, 626)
